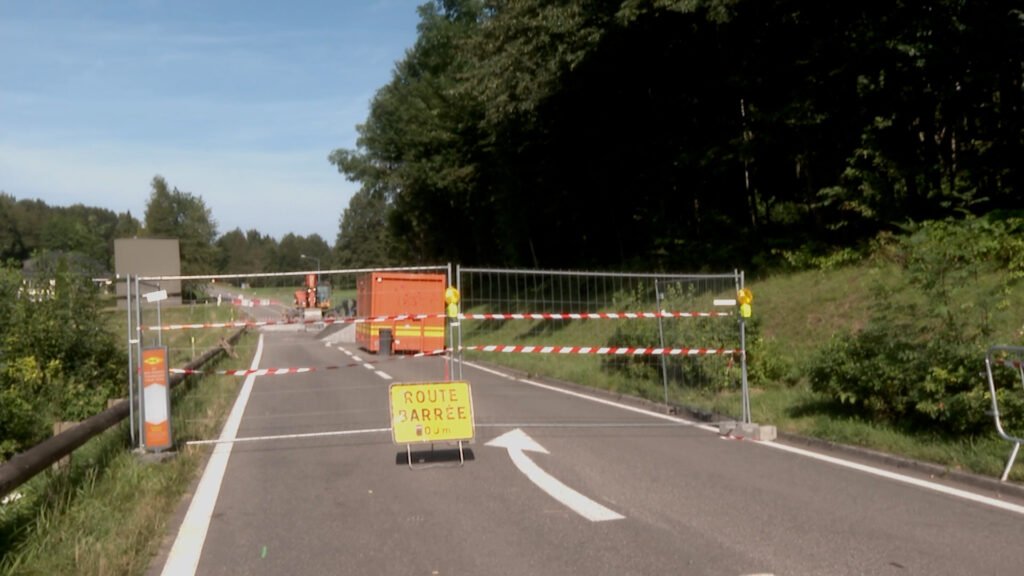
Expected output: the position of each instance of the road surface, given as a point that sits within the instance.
(554, 483)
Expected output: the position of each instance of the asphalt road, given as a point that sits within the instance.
(677, 498)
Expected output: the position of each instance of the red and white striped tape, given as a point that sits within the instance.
(260, 371)
(257, 324)
(593, 315)
(1009, 363)
(400, 317)
(255, 302)
(304, 370)
(604, 350)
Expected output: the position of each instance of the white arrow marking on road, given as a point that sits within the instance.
(517, 443)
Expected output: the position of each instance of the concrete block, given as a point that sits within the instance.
(751, 431)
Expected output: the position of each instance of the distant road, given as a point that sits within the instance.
(611, 490)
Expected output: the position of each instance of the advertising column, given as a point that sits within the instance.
(156, 400)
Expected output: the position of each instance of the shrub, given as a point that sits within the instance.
(57, 359)
(706, 372)
(917, 362)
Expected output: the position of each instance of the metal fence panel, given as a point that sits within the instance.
(652, 335)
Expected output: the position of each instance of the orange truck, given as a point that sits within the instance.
(397, 293)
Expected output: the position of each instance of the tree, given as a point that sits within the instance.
(11, 246)
(81, 231)
(176, 214)
(416, 150)
(58, 359)
(363, 240)
(686, 133)
(127, 226)
(249, 252)
(293, 247)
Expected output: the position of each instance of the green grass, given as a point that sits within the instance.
(108, 511)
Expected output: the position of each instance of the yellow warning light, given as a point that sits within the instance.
(451, 295)
(745, 296)
(453, 310)
(745, 310)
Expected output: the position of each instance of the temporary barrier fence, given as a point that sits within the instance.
(663, 326)
(647, 326)
(1004, 366)
(145, 296)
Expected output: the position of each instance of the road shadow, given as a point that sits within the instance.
(433, 456)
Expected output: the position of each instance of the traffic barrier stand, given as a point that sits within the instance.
(1009, 357)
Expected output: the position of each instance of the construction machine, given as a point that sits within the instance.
(314, 297)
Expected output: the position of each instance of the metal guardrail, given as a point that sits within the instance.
(1011, 357)
(24, 466)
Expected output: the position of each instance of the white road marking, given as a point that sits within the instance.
(288, 436)
(935, 487)
(517, 443)
(188, 545)
(675, 419)
(367, 365)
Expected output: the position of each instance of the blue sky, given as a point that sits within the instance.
(236, 102)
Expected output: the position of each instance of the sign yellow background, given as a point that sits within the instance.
(431, 412)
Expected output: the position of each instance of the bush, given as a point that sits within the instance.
(917, 363)
(57, 359)
(713, 373)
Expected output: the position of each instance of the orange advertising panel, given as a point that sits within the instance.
(156, 400)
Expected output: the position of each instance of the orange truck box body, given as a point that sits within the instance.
(396, 293)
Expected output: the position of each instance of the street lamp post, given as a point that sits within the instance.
(317, 265)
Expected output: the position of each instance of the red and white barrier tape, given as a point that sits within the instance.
(400, 317)
(282, 371)
(1009, 363)
(611, 351)
(257, 324)
(592, 315)
(255, 302)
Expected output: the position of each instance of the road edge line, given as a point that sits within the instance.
(183, 559)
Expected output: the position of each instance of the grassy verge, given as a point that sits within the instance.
(106, 513)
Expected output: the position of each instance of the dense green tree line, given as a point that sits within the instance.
(685, 133)
(31, 227)
(31, 230)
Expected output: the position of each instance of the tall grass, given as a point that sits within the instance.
(107, 512)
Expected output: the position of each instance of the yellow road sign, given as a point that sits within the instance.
(431, 412)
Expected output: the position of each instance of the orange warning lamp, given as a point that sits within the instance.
(745, 298)
(451, 295)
